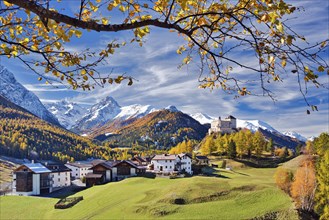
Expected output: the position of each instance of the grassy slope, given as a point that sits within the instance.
(141, 198)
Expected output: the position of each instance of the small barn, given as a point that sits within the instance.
(202, 160)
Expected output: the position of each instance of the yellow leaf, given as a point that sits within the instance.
(78, 33)
(283, 63)
(280, 27)
(105, 21)
(110, 7)
(85, 77)
(321, 69)
(83, 72)
(122, 8)
(8, 4)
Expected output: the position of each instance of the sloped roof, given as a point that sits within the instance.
(201, 157)
(36, 168)
(184, 154)
(164, 157)
(80, 165)
(110, 164)
(57, 167)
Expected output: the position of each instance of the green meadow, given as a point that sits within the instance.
(242, 194)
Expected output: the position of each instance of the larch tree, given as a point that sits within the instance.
(321, 144)
(304, 186)
(39, 32)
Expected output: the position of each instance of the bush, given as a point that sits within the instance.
(283, 179)
(68, 202)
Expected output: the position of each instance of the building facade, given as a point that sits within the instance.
(31, 179)
(79, 170)
(224, 126)
(60, 175)
(166, 163)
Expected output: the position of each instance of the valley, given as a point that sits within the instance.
(236, 194)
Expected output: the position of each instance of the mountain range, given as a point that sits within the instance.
(107, 120)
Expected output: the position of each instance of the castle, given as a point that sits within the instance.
(224, 126)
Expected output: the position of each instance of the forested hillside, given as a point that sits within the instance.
(25, 135)
(160, 129)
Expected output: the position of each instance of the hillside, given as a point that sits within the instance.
(25, 135)
(281, 140)
(16, 93)
(245, 194)
(161, 129)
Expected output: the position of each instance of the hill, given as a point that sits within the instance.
(161, 129)
(281, 140)
(25, 135)
(246, 194)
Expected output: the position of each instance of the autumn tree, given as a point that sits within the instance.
(208, 146)
(259, 143)
(39, 32)
(304, 186)
(283, 179)
(321, 144)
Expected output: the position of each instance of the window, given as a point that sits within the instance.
(166, 161)
(76, 174)
(170, 161)
(170, 167)
(59, 174)
(59, 179)
(166, 167)
(76, 169)
(66, 180)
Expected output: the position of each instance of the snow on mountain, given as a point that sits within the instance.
(67, 113)
(172, 108)
(99, 114)
(134, 111)
(19, 95)
(254, 125)
(311, 138)
(202, 118)
(295, 135)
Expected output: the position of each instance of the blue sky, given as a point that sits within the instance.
(161, 83)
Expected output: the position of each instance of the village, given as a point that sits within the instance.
(39, 178)
(44, 178)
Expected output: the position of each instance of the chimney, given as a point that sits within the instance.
(32, 161)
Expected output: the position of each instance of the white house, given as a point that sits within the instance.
(185, 161)
(79, 169)
(60, 175)
(166, 163)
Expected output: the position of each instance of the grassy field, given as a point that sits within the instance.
(243, 194)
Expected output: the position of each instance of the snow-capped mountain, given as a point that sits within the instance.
(295, 135)
(134, 111)
(172, 108)
(254, 125)
(19, 95)
(202, 118)
(98, 114)
(67, 113)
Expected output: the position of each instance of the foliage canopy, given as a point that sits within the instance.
(213, 31)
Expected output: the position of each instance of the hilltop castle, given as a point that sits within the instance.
(224, 126)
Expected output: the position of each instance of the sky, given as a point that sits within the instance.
(161, 83)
